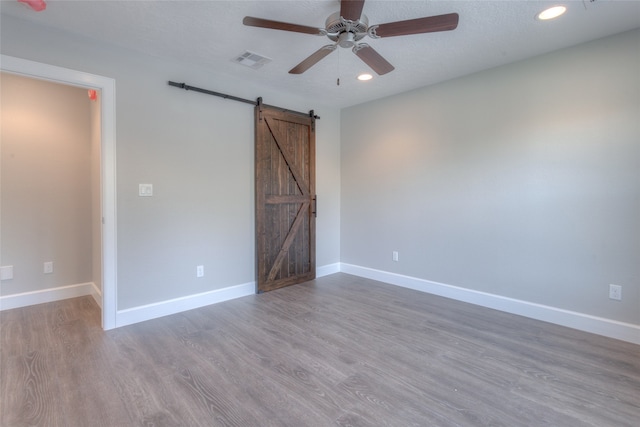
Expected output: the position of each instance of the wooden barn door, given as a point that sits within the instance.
(285, 197)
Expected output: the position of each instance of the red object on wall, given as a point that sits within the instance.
(93, 95)
(37, 5)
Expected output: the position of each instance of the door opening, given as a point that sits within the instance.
(106, 86)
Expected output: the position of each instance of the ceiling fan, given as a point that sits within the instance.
(348, 26)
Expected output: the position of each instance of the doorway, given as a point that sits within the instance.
(106, 87)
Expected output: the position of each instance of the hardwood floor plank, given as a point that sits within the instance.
(36, 392)
(214, 400)
(13, 333)
(143, 377)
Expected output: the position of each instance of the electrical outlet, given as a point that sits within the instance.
(6, 272)
(200, 271)
(394, 256)
(48, 267)
(615, 292)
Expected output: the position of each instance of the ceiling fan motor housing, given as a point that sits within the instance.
(344, 32)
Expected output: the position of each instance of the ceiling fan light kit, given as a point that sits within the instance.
(348, 26)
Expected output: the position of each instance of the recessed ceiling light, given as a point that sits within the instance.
(551, 13)
(364, 77)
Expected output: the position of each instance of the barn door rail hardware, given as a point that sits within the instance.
(311, 114)
(210, 92)
(233, 98)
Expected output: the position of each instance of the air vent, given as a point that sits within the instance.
(252, 60)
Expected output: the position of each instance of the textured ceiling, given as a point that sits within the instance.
(210, 34)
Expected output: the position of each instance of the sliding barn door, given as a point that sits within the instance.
(285, 198)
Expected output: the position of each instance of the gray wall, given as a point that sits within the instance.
(46, 189)
(521, 181)
(197, 151)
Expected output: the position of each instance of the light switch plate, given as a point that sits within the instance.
(145, 190)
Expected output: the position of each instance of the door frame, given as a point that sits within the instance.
(107, 88)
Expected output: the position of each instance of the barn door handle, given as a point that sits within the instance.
(315, 206)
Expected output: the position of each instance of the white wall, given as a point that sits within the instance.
(46, 184)
(522, 181)
(197, 151)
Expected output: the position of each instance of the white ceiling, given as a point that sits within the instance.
(211, 34)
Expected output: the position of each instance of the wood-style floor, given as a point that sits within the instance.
(339, 350)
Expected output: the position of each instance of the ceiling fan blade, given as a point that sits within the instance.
(313, 59)
(284, 26)
(429, 24)
(351, 9)
(373, 59)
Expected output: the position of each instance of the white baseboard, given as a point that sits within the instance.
(145, 312)
(25, 299)
(177, 305)
(97, 295)
(584, 322)
(326, 270)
